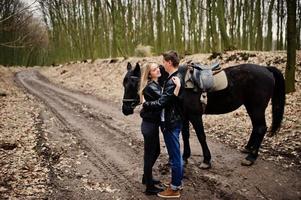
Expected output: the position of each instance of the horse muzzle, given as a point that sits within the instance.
(127, 110)
(129, 105)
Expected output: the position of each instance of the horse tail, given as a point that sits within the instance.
(278, 100)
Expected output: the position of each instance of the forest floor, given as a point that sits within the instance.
(63, 136)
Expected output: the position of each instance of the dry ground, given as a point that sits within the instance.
(74, 143)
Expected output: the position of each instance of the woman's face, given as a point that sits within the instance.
(154, 72)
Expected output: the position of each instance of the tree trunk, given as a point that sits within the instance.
(281, 24)
(238, 17)
(299, 25)
(245, 26)
(270, 26)
(291, 47)
(159, 27)
(258, 25)
(214, 35)
(177, 28)
(251, 27)
(150, 23)
(193, 18)
(208, 26)
(222, 25)
(232, 21)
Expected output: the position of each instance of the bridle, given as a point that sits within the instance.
(134, 102)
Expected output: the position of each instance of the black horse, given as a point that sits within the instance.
(250, 85)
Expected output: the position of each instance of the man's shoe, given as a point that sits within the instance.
(169, 193)
(152, 190)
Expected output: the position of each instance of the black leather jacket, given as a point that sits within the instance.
(151, 92)
(171, 103)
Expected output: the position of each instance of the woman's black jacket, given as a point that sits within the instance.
(151, 92)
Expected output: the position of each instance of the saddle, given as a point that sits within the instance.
(212, 67)
(205, 77)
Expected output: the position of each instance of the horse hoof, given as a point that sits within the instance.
(205, 165)
(246, 162)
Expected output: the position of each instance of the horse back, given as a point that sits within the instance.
(246, 83)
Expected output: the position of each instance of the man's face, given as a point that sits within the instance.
(167, 65)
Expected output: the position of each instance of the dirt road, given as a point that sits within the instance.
(94, 152)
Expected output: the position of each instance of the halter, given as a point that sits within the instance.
(134, 102)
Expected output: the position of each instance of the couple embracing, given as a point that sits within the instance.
(162, 109)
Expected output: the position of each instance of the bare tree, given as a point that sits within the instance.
(291, 47)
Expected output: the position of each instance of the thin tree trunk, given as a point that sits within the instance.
(238, 29)
(192, 27)
(244, 25)
(258, 25)
(208, 26)
(159, 27)
(251, 27)
(214, 35)
(232, 21)
(291, 47)
(270, 23)
(222, 25)
(299, 25)
(281, 24)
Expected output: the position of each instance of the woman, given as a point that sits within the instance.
(150, 90)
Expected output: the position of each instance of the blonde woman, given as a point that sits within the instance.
(150, 90)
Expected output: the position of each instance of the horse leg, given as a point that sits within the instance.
(259, 130)
(250, 145)
(197, 124)
(185, 136)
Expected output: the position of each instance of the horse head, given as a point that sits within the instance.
(131, 86)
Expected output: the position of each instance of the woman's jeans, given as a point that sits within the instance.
(150, 132)
(171, 138)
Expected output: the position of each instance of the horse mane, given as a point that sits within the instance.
(164, 75)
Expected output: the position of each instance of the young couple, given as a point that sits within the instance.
(162, 108)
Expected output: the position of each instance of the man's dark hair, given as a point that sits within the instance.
(172, 56)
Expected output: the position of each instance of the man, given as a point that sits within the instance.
(172, 122)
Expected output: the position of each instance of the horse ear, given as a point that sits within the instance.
(163, 77)
(137, 71)
(129, 66)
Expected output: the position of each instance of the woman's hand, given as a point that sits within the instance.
(176, 81)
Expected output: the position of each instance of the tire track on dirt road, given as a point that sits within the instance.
(102, 131)
(101, 149)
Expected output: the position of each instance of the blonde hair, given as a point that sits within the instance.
(145, 78)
